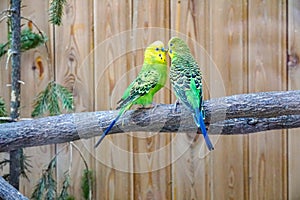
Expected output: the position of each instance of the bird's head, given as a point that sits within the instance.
(156, 52)
(177, 46)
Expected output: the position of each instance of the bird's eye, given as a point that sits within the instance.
(159, 55)
(171, 44)
(157, 49)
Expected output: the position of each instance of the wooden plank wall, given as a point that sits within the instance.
(241, 46)
(36, 72)
(267, 72)
(4, 79)
(112, 18)
(72, 45)
(293, 84)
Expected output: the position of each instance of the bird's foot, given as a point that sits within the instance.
(154, 106)
(150, 106)
(175, 109)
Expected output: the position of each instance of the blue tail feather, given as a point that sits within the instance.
(107, 130)
(204, 132)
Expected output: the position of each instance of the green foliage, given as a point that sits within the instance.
(39, 190)
(56, 11)
(51, 189)
(3, 112)
(66, 184)
(3, 49)
(46, 185)
(48, 100)
(70, 198)
(86, 183)
(2, 164)
(29, 40)
(25, 164)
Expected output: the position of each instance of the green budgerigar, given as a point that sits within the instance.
(186, 80)
(151, 79)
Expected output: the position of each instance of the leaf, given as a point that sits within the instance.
(66, 184)
(40, 188)
(50, 98)
(3, 49)
(25, 165)
(3, 112)
(51, 187)
(3, 163)
(66, 97)
(31, 40)
(51, 183)
(46, 185)
(41, 103)
(56, 11)
(86, 183)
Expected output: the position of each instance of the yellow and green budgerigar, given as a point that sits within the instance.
(186, 80)
(151, 79)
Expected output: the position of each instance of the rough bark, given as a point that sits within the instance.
(8, 192)
(14, 167)
(238, 114)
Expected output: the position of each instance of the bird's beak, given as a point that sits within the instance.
(163, 49)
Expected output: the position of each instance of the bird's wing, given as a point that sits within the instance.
(187, 85)
(142, 85)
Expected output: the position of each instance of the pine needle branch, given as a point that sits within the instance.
(56, 11)
(29, 40)
(25, 165)
(46, 185)
(66, 184)
(43, 36)
(48, 100)
(3, 112)
(4, 163)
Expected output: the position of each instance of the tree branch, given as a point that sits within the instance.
(15, 155)
(8, 192)
(238, 114)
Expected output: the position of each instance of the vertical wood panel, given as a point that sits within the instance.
(151, 150)
(74, 70)
(112, 63)
(293, 84)
(228, 48)
(4, 78)
(220, 27)
(267, 71)
(4, 73)
(191, 176)
(36, 78)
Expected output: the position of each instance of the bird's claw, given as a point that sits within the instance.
(175, 110)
